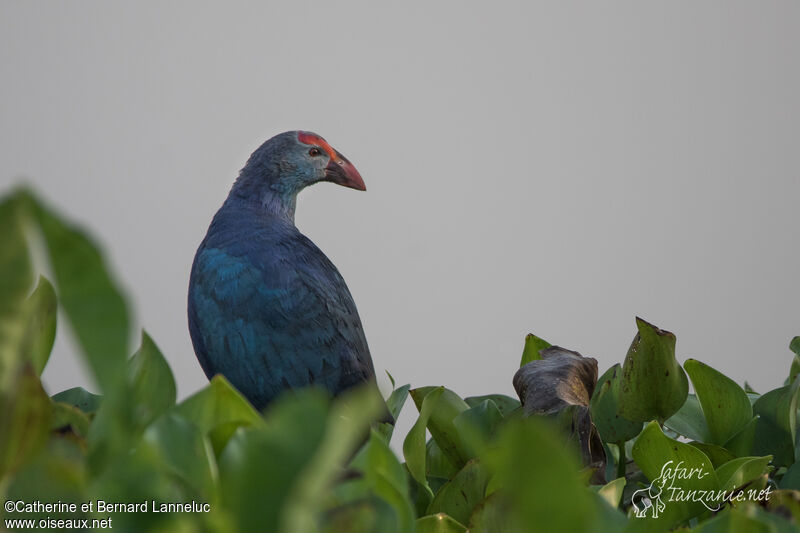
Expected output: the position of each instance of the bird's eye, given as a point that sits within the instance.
(314, 152)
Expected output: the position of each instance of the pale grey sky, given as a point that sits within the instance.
(555, 168)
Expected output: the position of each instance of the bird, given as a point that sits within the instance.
(267, 309)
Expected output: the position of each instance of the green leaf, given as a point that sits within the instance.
(218, 403)
(25, 421)
(725, 404)
(16, 277)
(436, 462)
(734, 521)
(506, 404)
(459, 496)
(533, 345)
(791, 479)
(394, 404)
(777, 424)
(794, 346)
(653, 385)
(613, 427)
(81, 398)
(414, 444)
(387, 479)
(186, 453)
(439, 523)
(492, 515)
(716, 454)
(41, 331)
(68, 418)
(657, 456)
(91, 299)
(738, 472)
(261, 464)
(539, 477)
(611, 492)
(347, 424)
(477, 425)
(440, 424)
(152, 384)
(741, 444)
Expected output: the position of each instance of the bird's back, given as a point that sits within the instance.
(269, 311)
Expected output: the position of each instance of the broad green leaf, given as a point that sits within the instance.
(152, 384)
(394, 404)
(725, 404)
(414, 444)
(347, 424)
(716, 454)
(436, 462)
(476, 426)
(506, 404)
(540, 478)
(24, 420)
(791, 479)
(261, 464)
(440, 423)
(439, 523)
(218, 403)
(368, 515)
(777, 424)
(741, 444)
(387, 479)
(41, 331)
(653, 385)
(611, 492)
(674, 469)
(612, 426)
(738, 472)
(459, 496)
(68, 418)
(794, 346)
(734, 520)
(16, 277)
(186, 453)
(492, 515)
(533, 345)
(81, 398)
(91, 299)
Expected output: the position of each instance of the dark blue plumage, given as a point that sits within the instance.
(267, 309)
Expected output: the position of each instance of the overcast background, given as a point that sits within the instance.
(555, 168)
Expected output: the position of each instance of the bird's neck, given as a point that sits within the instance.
(275, 204)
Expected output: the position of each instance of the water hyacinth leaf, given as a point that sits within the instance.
(414, 449)
(439, 523)
(533, 345)
(260, 464)
(16, 277)
(459, 496)
(68, 418)
(611, 492)
(91, 299)
(81, 398)
(791, 479)
(738, 472)
(563, 381)
(218, 403)
(476, 426)
(151, 380)
(437, 464)
(613, 427)
(40, 333)
(734, 520)
(347, 424)
(387, 479)
(440, 424)
(530, 449)
(716, 454)
(689, 421)
(658, 456)
(186, 453)
(777, 423)
(560, 378)
(394, 403)
(725, 405)
(491, 515)
(368, 515)
(25, 420)
(506, 404)
(794, 345)
(653, 386)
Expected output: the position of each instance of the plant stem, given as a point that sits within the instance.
(622, 461)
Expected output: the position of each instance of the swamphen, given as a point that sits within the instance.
(267, 309)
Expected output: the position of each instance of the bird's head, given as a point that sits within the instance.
(291, 161)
